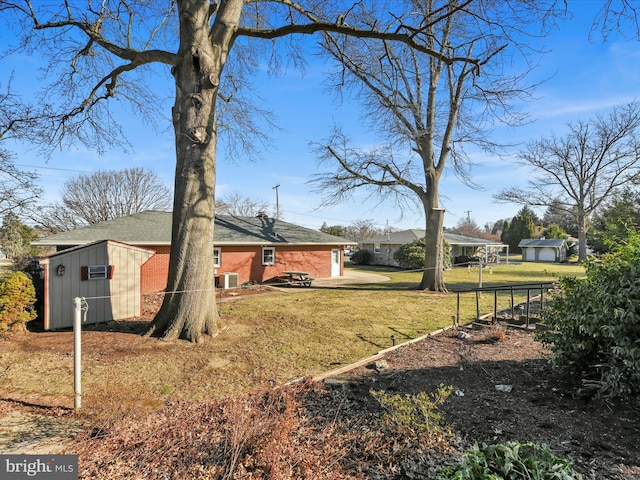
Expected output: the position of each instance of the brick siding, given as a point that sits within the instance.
(246, 262)
(154, 272)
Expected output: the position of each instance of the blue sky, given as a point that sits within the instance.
(588, 77)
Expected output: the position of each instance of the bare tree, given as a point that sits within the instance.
(240, 206)
(97, 51)
(468, 226)
(18, 188)
(105, 195)
(426, 110)
(54, 218)
(362, 229)
(620, 16)
(579, 171)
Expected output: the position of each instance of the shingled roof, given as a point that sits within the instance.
(408, 236)
(542, 242)
(154, 228)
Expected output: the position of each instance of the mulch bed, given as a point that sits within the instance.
(507, 391)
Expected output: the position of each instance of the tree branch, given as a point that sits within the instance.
(92, 31)
(311, 28)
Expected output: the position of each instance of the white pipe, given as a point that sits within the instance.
(77, 352)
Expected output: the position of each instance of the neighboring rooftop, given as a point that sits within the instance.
(408, 236)
(154, 228)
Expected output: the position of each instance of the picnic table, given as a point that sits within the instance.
(294, 277)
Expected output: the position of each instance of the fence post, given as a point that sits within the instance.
(77, 352)
(528, 305)
(512, 305)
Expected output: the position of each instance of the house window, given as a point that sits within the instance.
(97, 272)
(376, 248)
(217, 257)
(268, 256)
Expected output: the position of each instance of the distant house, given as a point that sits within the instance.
(384, 246)
(544, 250)
(246, 249)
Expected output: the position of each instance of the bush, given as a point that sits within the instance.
(511, 461)
(411, 255)
(417, 415)
(362, 257)
(17, 296)
(595, 322)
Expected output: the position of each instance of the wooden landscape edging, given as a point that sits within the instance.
(373, 358)
(382, 353)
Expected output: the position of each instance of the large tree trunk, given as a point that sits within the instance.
(582, 235)
(432, 277)
(189, 307)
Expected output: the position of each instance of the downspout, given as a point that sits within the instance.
(45, 293)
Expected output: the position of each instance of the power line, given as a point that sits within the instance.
(340, 220)
(53, 168)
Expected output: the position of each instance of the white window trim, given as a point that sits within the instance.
(273, 255)
(97, 272)
(217, 252)
(376, 248)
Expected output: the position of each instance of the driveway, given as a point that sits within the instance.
(350, 277)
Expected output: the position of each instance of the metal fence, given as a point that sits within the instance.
(526, 302)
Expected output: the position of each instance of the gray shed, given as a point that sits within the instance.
(544, 250)
(105, 273)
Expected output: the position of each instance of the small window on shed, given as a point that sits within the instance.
(97, 272)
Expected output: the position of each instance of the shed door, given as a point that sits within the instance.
(335, 262)
(547, 255)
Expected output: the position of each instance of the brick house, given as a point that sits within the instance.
(246, 249)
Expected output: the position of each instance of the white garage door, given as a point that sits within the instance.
(547, 255)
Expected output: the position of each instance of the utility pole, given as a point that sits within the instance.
(469, 216)
(277, 201)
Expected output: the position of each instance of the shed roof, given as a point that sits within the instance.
(68, 251)
(542, 242)
(154, 228)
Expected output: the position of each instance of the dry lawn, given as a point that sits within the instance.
(268, 337)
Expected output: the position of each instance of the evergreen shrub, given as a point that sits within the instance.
(411, 255)
(17, 297)
(362, 257)
(594, 322)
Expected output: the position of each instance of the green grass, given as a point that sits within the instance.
(272, 338)
(463, 278)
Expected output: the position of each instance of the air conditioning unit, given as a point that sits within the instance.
(230, 280)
